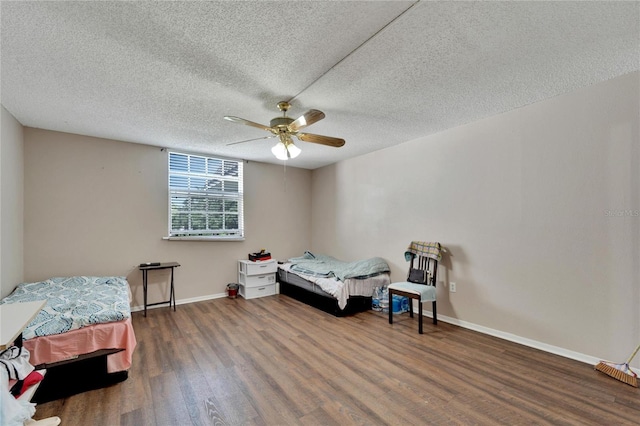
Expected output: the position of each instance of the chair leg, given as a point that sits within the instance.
(411, 307)
(390, 307)
(420, 315)
(435, 314)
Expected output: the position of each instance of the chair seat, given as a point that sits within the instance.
(427, 293)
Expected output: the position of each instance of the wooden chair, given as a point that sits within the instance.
(420, 285)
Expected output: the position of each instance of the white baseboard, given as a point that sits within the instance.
(182, 301)
(587, 359)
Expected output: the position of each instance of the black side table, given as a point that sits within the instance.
(172, 294)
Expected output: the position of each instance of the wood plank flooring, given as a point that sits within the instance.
(275, 361)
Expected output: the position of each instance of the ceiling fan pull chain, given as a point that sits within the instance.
(285, 176)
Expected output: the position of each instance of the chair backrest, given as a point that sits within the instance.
(425, 266)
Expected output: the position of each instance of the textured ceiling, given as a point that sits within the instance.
(165, 73)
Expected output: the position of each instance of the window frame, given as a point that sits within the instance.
(214, 196)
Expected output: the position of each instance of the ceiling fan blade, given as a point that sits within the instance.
(323, 140)
(247, 122)
(306, 119)
(249, 140)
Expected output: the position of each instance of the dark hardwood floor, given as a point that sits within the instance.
(275, 361)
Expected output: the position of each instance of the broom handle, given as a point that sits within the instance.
(633, 354)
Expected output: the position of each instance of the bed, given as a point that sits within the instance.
(337, 287)
(83, 336)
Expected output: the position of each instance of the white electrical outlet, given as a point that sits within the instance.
(452, 287)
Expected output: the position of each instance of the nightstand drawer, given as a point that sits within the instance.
(254, 292)
(257, 280)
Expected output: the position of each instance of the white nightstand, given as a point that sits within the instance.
(257, 279)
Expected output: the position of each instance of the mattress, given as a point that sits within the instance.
(73, 303)
(331, 286)
(320, 265)
(82, 315)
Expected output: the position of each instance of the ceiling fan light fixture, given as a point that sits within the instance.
(286, 127)
(280, 151)
(284, 152)
(294, 150)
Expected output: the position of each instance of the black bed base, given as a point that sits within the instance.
(327, 304)
(67, 378)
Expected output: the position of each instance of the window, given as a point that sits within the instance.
(205, 197)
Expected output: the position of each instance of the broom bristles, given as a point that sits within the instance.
(620, 372)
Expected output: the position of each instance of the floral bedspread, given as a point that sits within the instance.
(73, 302)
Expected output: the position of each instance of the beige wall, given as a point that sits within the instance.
(524, 203)
(99, 207)
(11, 203)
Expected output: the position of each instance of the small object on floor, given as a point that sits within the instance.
(49, 421)
(620, 371)
(232, 290)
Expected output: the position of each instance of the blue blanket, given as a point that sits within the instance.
(319, 265)
(73, 302)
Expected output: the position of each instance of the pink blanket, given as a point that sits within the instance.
(112, 335)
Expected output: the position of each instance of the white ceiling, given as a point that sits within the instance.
(165, 73)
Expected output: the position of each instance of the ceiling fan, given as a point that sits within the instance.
(285, 127)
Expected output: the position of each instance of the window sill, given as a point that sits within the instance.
(213, 239)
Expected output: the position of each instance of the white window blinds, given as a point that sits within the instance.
(205, 197)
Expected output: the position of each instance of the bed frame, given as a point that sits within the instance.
(326, 303)
(84, 373)
(69, 373)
